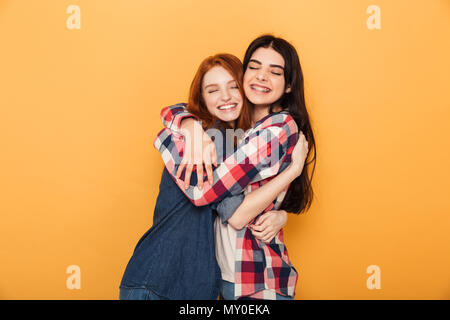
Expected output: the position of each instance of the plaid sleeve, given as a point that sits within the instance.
(172, 116)
(258, 156)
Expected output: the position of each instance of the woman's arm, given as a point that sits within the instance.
(260, 199)
(256, 201)
(199, 148)
(258, 157)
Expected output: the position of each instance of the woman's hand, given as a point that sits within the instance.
(199, 150)
(299, 155)
(269, 224)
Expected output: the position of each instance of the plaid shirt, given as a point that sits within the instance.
(261, 270)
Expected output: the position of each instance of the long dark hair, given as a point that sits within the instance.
(300, 194)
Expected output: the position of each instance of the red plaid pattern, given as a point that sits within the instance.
(261, 270)
(172, 116)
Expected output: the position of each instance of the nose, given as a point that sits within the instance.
(261, 75)
(226, 96)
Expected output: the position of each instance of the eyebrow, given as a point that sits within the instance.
(215, 84)
(272, 65)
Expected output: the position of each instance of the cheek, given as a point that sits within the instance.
(211, 109)
(236, 95)
(278, 87)
(209, 102)
(247, 77)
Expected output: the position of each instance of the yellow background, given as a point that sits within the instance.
(79, 110)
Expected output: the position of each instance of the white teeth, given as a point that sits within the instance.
(260, 89)
(228, 106)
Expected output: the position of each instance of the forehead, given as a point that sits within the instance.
(268, 56)
(217, 75)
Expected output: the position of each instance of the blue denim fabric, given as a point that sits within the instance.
(226, 290)
(138, 294)
(175, 258)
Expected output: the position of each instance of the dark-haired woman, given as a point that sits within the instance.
(273, 84)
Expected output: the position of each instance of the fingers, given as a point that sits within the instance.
(262, 218)
(181, 167)
(266, 235)
(208, 169)
(199, 175)
(214, 156)
(301, 142)
(266, 216)
(187, 155)
(207, 160)
(196, 155)
(259, 234)
(269, 225)
(187, 177)
(269, 239)
(304, 141)
(300, 153)
(262, 231)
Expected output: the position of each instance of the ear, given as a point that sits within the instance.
(288, 89)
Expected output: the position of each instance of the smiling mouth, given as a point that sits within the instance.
(227, 106)
(260, 88)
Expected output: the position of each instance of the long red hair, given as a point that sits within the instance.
(196, 104)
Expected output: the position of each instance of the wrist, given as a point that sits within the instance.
(295, 170)
(283, 218)
(191, 129)
(187, 123)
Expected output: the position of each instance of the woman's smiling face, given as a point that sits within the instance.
(221, 94)
(264, 81)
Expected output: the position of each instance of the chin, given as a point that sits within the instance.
(229, 119)
(259, 100)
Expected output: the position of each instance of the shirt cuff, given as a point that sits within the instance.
(175, 124)
(228, 206)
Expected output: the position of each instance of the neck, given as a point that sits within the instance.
(231, 123)
(260, 111)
